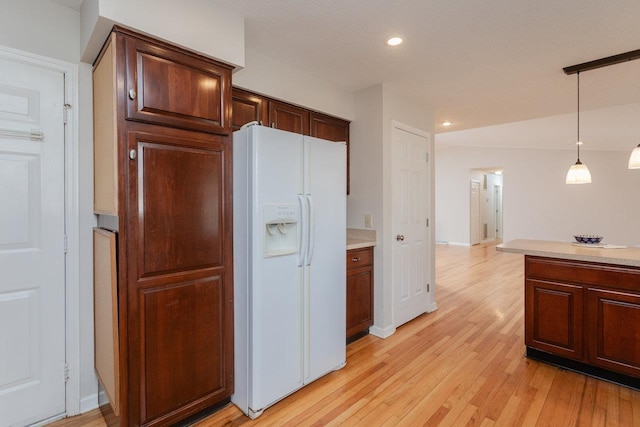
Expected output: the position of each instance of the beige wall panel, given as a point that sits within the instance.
(105, 137)
(106, 314)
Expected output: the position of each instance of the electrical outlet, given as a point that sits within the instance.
(368, 220)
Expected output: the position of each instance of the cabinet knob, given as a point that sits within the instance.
(400, 237)
(132, 94)
(355, 259)
(133, 154)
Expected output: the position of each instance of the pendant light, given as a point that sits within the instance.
(578, 173)
(634, 158)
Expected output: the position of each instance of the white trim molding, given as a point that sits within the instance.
(382, 332)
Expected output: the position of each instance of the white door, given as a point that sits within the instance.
(474, 215)
(32, 260)
(410, 215)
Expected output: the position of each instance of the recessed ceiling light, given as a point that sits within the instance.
(394, 41)
(498, 172)
(446, 123)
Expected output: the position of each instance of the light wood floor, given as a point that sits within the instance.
(462, 365)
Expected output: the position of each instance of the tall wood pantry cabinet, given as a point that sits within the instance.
(163, 259)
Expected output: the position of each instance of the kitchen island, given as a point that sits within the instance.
(582, 307)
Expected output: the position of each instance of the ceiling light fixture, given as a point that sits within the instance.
(394, 41)
(446, 123)
(578, 173)
(498, 172)
(634, 158)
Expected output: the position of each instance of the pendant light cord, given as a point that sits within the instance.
(578, 142)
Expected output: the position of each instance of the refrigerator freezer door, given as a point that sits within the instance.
(276, 331)
(325, 292)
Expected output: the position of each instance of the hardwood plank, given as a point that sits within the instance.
(464, 364)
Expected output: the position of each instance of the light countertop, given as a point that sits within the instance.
(360, 238)
(566, 250)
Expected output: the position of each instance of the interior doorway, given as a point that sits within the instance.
(474, 213)
(485, 205)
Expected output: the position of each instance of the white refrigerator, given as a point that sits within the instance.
(289, 224)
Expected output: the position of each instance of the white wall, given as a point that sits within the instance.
(537, 204)
(48, 29)
(281, 81)
(198, 25)
(375, 109)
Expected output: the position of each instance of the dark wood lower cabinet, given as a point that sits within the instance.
(585, 316)
(553, 316)
(180, 304)
(359, 292)
(614, 330)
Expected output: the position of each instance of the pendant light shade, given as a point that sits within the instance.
(578, 173)
(634, 158)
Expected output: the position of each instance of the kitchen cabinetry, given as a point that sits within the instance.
(288, 117)
(359, 292)
(553, 313)
(614, 330)
(248, 106)
(163, 162)
(586, 312)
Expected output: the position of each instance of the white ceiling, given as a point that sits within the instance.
(475, 62)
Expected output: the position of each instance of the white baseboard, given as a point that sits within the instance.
(459, 244)
(88, 403)
(382, 332)
(433, 307)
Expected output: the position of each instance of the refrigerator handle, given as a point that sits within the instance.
(311, 226)
(302, 251)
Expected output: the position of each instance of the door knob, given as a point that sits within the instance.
(399, 237)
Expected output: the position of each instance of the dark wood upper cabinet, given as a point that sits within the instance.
(288, 117)
(248, 107)
(329, 128)
(174, 88)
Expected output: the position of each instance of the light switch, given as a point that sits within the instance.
(368, 220)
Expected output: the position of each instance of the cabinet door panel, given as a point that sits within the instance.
(288, 117)
(175, 89)
(182, 352)
(359, 300)
(247, 107)
(553, 316)
(180, 200)
(179, 284)
(614, 330)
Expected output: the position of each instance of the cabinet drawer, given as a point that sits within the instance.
(585, 273)
(359, 257)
